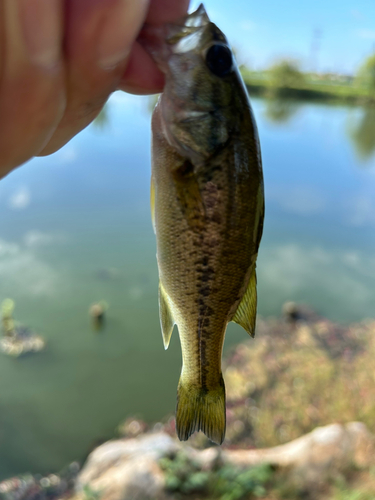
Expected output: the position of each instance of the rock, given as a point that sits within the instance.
(363, 445)
(97, 312)
(29, 487)
(290, 311)
(317, 455)
(293, 312)
(132, 427)
(128, 469)
(23, 341)
(206, 459)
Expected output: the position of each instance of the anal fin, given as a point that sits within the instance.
(167, 321)
(247, 309)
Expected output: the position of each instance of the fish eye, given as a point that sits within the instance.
(219, 59)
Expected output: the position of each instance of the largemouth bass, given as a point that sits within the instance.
(207, 208)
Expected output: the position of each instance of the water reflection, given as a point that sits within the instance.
(341, 278)
(107, 274)
(76, 228)
(362, 133)
(281, 110)
(24, 272)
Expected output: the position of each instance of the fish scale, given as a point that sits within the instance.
(207, 208)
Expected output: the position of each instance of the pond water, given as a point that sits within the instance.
(76, 229)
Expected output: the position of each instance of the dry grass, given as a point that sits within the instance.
(295, 377)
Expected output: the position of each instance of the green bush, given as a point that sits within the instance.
(184, 476)
(286, 75)
(366, 74)
(90, 494)
(232, 484)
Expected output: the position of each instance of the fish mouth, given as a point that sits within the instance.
(197, 18)
(163, 41)
(186, 37)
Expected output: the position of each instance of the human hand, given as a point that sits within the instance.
(61, 59)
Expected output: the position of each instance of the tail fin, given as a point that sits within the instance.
(202, 409)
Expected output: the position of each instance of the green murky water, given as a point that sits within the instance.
(76, 229)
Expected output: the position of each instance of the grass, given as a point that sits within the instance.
(292, 379)
(361, 487)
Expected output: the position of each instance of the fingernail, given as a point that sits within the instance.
(42, 22)
(120, 27)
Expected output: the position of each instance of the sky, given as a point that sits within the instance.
(323, 35)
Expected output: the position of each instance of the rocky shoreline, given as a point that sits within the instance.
(137, 468)
(301, 418)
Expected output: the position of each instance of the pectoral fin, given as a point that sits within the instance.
(166, 318)
(247, 309)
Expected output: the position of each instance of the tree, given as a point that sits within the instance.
(285, 74)
(366, 74)
(362, 133)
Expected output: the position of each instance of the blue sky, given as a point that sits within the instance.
(343, 31)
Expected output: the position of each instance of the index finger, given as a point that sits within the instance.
(142, 75)
(166, 11)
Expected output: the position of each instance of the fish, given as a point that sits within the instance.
(207, 205)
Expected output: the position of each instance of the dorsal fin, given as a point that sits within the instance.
(247, 309)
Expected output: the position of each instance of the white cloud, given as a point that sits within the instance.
(247, 25)
(136, 293)
(8, 249)
(361, 210)
(22, 272)
(125, 99)
(302, 200)
(20, 199)
(36, 238)
(66, 155)
(291, 269)
(366, 34)
(351, 259)
(364, 266)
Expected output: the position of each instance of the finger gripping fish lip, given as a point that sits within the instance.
(159, 39)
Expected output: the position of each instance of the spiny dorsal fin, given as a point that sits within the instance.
(166, 318)
(247, 309)
(152, 202)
